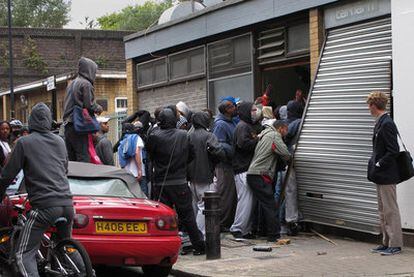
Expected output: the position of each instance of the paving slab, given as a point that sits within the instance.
(306, 255)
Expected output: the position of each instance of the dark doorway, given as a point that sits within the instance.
(285, 80)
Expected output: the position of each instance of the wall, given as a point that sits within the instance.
(316, 37)
(60, 50)
(193, 93)
(402, 13)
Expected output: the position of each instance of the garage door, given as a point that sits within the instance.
(335, 140)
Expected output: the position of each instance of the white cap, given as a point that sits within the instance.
(102, 119)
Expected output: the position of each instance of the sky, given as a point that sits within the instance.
(94, 9)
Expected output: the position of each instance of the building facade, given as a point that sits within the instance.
(337, 51)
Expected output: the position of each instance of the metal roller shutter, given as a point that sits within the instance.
(335, 140)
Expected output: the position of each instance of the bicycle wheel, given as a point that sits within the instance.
(70, 258)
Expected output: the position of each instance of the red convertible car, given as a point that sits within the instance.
(114, 220)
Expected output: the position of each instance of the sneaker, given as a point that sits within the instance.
(391, 251)
(237, 235)
(199, 251)
(273, 238)
(249, 236)
(379, 248)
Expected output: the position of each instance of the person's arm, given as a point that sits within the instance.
(245, 140)
(280, 148)
(89, 101)
(220, 134)
(12, 167)
(138, 161)
(214, 148)
(389, 134)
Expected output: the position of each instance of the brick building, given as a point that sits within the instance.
(39, 53)
(337, 51)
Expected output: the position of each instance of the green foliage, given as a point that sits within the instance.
(134, 18)
(32, 58)
(101, 61)
(36, 13)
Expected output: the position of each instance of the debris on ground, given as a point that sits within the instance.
(320, 253)
(323, 237)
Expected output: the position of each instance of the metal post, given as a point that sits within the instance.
(54, 100)
(212, 215)
(9, 20)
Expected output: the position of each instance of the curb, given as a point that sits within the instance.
(181, 273)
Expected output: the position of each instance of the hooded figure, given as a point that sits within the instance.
(207, 152)
(245, 140)
(170, 152)
(43, 159)
(80, 92)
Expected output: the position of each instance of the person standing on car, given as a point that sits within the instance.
(207, 152)
(383, 171)
(43, 158)
(103, 146)
(170, 152)
(80, 92)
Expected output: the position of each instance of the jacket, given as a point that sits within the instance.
(382, 166)
(103, 149)
(42, 156)
(81, 91)
(245, 139)
(268, 149)
(169, 144)
(224, 131)
(207, 150)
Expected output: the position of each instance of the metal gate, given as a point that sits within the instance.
(335, 140)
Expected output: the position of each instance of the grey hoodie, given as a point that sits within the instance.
(43, 158)
(81, 91)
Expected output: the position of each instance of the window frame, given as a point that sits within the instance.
(140, 87)
(189, 76)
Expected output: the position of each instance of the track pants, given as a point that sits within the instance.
(242, 220)
(198, 190)
(38, 221)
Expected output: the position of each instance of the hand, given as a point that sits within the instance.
(139, 177)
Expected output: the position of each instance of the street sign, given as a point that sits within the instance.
(50, 85)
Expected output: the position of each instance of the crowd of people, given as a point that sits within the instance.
(178, 154)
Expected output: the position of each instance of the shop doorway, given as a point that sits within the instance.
(285, 80)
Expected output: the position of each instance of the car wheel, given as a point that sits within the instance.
(156, 270)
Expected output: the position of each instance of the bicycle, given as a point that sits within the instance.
(55, 257)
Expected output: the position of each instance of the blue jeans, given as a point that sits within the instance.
(280, 176)
(144, 185)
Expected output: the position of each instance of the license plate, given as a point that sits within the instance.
(114, 227)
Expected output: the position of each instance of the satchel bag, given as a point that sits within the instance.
(83, 122)
(405, 164)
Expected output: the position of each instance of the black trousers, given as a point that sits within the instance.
(179, 196)
(226, 188)
(264, 195)
(38, 221)
(76, 145)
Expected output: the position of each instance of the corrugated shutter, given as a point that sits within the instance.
(335, 141)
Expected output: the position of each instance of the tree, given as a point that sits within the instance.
(134, 18)
(36, 13)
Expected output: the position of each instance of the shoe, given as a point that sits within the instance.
(237, 235)
(379, 248)
(390, 251)
(249, 236)
(224, 229)
(273, 238)
(199, 251)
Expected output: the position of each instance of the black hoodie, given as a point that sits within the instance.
(81, 91)
(245, 139)
(207, 150)
(160, 145)
(43, 158)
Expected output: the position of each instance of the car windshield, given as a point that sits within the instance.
(100, 187)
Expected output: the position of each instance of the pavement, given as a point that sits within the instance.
(306, 255)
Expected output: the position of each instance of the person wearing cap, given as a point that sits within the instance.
(223, 129)
(103, 146)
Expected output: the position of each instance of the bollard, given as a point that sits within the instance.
(212, 216)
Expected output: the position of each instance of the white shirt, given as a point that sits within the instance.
(131, 165)
(5, 147)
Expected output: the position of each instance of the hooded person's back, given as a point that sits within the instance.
(42, 156)
(167, 141)
(207, 150)
(244, 139)
(81, 91)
